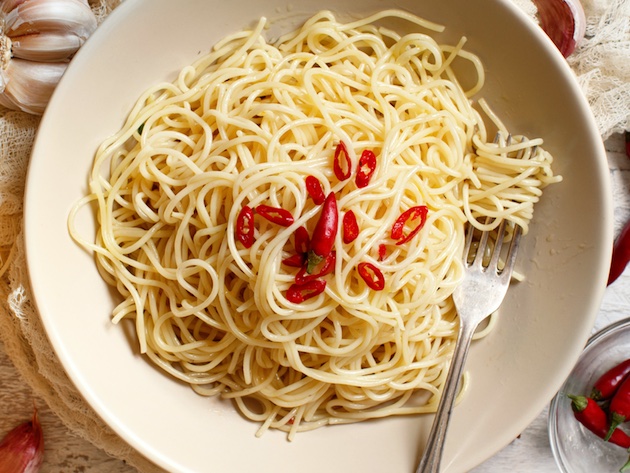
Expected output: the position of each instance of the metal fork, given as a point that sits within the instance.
(480, 294)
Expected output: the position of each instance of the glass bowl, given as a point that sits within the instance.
(575, 448)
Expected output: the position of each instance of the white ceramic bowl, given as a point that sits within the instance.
(515, 371)
(576, 449)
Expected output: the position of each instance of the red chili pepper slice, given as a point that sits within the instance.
(245, 226)
(594, 418)
(324, 233)
(325, 267)
(366, 168)
(302, 241)
(372, 276)
(409, 215)
(607, 383)
(295, 261)
(298, 293)
(275, 215)
(315, 190)
(342, 164)
(350, 227)
(382, 251)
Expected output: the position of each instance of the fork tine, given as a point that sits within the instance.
(481, 248)
(498, 244)
(510, 259)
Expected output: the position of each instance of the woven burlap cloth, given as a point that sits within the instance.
(601, 63)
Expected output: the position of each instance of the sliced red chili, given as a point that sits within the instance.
(302, 241)
(409, 215)
(382, 251)
(245, 226)
(350, 227)
(315, 190)
(275, 215)
(366, 168)
(295, 261)
(322, 269)
(372, 276)
(342, 164)
(298, 293)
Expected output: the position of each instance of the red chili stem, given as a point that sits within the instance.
(366, 168)
(409, 215)
(324, 234)
(594, 418)
(607, 384)
(619, 409)
(315, 190)
(342, 165)
(245, 226)
(620, 254)
(372, 276)
(298, 293)
(327, 266)
(276, 215)
(350, 227)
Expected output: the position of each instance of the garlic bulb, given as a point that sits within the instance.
(37, 40)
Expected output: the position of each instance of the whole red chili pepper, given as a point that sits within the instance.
(366, 168)
(619, 408)
(314, 189)
(324, 234)
(341, 163)
(620, 254)
(410, 214)
(350, 227)
(372, 276)
(594, 418)
(325, 267)
(298, 293)
(607, 383)
(245, 226)
(276, 215)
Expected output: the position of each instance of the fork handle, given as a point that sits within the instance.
(434, 448)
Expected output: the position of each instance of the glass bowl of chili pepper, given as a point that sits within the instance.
(596, 392)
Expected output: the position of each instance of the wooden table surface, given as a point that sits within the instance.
(66, 452)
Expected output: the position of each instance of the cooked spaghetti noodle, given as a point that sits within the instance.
(244, 126)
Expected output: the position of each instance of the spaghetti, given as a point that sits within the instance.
(245, 126)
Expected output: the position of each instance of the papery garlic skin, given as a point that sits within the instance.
(37, 40)
(22, 449)
(28, 85)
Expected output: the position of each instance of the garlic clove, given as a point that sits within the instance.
(7, 5)
(46, 47)
(22, 449)
(564, 22)
(33, 16)
(28, 86)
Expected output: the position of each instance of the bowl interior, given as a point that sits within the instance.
(515, 371)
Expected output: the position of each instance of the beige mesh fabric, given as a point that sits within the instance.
(601, 63)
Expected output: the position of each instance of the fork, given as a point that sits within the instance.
(480, 294)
